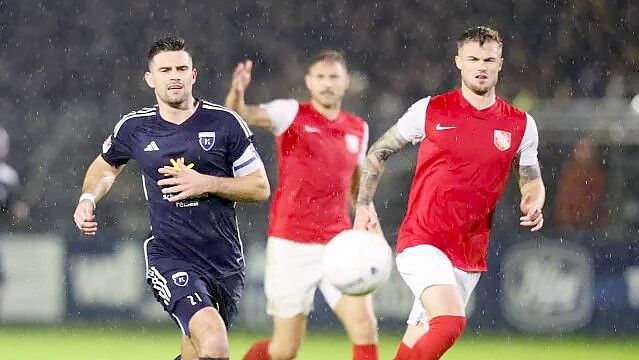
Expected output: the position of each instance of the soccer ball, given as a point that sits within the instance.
(357, 262)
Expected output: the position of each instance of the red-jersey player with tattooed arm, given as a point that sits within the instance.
(469, 141)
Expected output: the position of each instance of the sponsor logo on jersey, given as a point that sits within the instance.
(501, 139)
(180, 278)
(207, 139)
(106, 145)
(352, 143)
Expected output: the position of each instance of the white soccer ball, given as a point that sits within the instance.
(357, 262)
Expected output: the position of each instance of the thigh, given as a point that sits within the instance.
(427, 270)
(179, 288)
(292, 274)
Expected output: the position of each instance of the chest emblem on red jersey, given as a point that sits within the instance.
(352, 143)
(207, 139)
(501, 139)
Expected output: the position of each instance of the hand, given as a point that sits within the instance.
(533, 217)
(184, 183)
(366, 219)
(242, 76)
(84, 217)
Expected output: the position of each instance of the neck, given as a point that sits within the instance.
(329, 112)
(177, 114)
(479, 102)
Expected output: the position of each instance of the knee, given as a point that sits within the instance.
(208, 333)
(285, 351)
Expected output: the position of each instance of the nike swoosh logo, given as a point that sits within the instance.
(311, 129)
(442, 127)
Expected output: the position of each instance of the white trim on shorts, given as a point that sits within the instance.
(423, 266)
(292, 273)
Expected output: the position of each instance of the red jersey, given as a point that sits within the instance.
(316, 159)
(462, 168)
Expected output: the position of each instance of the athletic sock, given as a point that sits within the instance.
(259, 351)
(218, 358)
(403, 352)
(365, 352)
(442, 333)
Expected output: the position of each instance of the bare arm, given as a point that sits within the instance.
(390, 143)
(184, 183)
(235, 99)
(371, 173)
(98, 180)
(354, 187)
(533, 196)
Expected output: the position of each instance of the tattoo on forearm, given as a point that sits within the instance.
(528, 173)
(390, 143)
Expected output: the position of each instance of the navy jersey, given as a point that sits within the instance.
(203, 230)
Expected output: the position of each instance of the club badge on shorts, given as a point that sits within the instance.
(207, 139)
(501, 139)
(352, 143)
(180, 278)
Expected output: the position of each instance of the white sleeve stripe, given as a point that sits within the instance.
(237, 117)
(127, 117)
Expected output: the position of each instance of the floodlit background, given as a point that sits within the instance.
(70, 69)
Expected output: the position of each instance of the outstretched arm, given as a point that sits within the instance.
(235, 99)
(98, 180)
(371, 173)
(533, 196)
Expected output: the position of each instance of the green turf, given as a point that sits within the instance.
(115, 343)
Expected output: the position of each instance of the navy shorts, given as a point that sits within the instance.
(184, 288)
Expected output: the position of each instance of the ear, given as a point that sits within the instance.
(348, 81)
(148, 77)
(458, 62)
(194, 75)
(501, 63)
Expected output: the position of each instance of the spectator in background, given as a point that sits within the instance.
(580, 202)
(11, 207)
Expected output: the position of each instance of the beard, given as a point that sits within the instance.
(175, 100)
(480, 89)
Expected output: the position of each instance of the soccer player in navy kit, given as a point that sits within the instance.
(197, 159)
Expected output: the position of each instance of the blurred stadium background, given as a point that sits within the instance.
(71, 68)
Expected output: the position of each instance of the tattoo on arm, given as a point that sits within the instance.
(528, 173)
(390, 143)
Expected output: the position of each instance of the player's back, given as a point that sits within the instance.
(462, 168)
(217, 143)
(316, 160)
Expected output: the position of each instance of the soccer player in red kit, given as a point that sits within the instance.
(469, 141)
(319, 151)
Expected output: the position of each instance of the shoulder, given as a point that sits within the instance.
(226, 116)
(134, 118)
(511, 110)
(447, 98)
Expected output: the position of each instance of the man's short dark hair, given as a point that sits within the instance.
(480, 34)
(328, 55)
(167, 43)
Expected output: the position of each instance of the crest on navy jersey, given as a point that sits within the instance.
(352, 143)
(180, 278)
(207, 139)
(501, 139)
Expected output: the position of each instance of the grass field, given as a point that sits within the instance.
(115, 343)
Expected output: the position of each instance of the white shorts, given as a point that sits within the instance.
(293, 272)
(423, 266)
